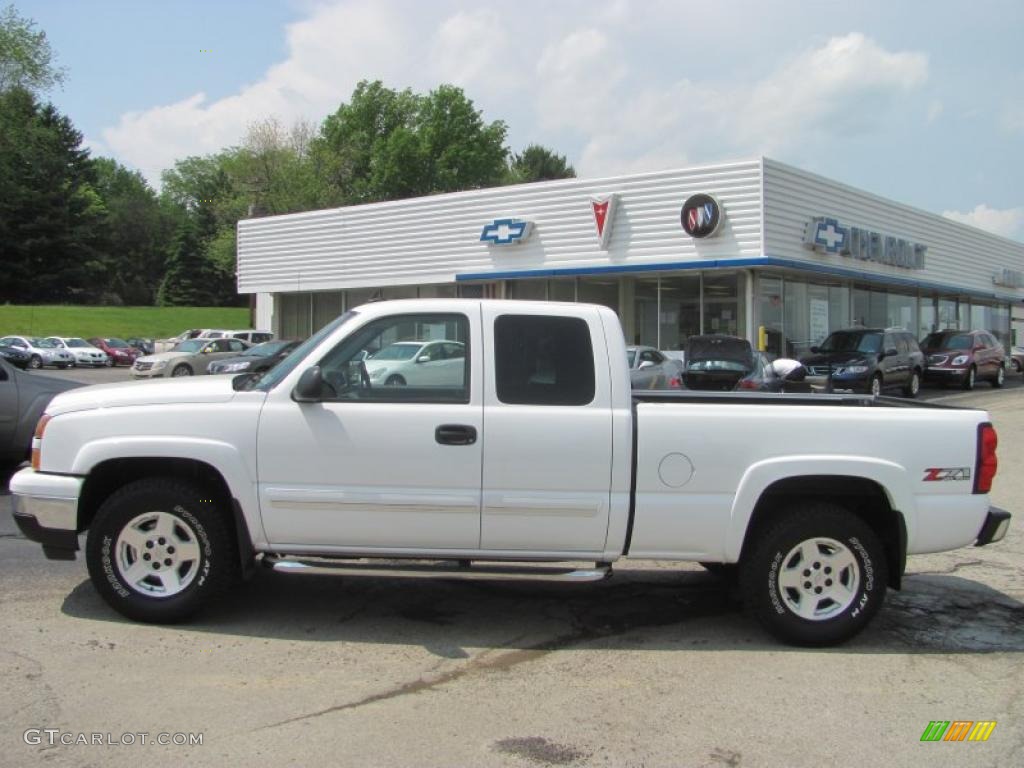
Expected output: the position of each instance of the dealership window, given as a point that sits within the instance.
(645, 311)
(438, 291)
(963, 317)
(769, 311)
(723, 307)
(562, 289)
(927, 317)
(901, 311)
(947, 315)
(294, 315)
(527, 290)
(326, 306)
(680, 310)
(1001, 324)
(595, 290)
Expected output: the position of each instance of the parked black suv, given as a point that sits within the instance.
(867, 360)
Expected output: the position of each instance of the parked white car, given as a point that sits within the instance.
(43, 351)
(251, 336)
(417, 363)
(84, 352)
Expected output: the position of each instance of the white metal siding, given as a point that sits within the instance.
(957, 256)
(434, 239)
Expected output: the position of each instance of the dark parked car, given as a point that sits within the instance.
(963, 358)
(259, 359)
(721, 363)
(145, 346)
(118, 351)
(867, 360)
(19, 358)
(23, 398)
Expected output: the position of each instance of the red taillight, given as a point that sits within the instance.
(985, 469)
(675, 382)
(749, 384)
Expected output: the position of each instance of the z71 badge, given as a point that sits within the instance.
(935, 474)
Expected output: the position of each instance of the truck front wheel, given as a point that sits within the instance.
(159, 550)
(817, 577)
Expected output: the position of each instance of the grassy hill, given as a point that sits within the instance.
(146, 322)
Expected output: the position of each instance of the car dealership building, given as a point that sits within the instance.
(727, 248)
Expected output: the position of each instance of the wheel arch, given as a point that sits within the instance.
(107, 476)
(761, 500)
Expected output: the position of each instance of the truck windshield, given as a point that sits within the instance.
(280, 371)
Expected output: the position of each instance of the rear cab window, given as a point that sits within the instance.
(543, 360)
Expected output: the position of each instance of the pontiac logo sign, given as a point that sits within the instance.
(604, 216)
(701, 216)
(829, 236)
(506, 231)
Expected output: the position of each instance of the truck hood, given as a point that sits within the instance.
(201, 389)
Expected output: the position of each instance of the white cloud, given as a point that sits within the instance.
(329, 52)
(1008, 222)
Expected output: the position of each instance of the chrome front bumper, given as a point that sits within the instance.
(45, 508)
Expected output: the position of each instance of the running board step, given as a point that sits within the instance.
(443, 570)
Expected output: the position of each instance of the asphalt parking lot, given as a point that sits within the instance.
(656, 667)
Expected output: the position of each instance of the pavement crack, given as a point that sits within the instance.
(481, 664)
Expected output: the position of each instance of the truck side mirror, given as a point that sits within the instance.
(423, 359)
(309, 387)
(645, 364)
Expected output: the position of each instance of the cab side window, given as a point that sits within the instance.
(543, 360)
(400, 359)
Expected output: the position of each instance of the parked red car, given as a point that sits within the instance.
(119, 351)
(964, 357)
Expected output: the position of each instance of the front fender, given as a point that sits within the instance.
(223, 457)
(893, 479)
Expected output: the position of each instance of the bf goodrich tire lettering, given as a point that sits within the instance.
(816, 576)
(160, 549)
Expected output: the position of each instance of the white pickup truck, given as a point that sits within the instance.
(512, 447)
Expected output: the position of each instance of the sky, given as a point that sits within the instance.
(916, 100)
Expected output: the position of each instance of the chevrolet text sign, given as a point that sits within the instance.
(829, 236)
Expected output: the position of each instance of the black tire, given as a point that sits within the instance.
(395, 381)
(914, 385)
(875, 387)
(216, 568)
(63, 366)
(181, 370)
(1000, 378)
(1016, 366)
(972, 377)
(35, 362)
(832, 533)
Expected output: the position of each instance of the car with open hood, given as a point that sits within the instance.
(188, 358)
(722, 363)
(869, 360)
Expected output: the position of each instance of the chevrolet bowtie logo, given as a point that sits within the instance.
(506, 231)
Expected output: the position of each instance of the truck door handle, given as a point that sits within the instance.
(455, 434)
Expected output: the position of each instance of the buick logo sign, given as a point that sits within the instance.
(701, 216)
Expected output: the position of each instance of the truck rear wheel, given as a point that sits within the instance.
(159, 550)
(817, 577)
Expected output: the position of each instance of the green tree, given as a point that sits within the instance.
(190, 280)
(52, 219)
(537, 163)
(387, 145)
(26, 59)
(138, 233)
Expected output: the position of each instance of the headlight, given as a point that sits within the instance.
(961, 360)
(856, 369)
(159, 364)
(229, 367)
